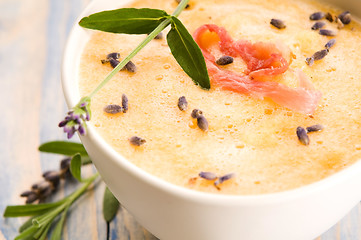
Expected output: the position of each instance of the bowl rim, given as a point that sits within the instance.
(72, 97)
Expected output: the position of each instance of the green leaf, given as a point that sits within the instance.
(38, 227)
(26, 224)
(26, 233)
(125, 20)
(45, 232)
(110, 205)
(64, 148)
(75, 166)
(42, 232)
(187, 53)
(30, 209)
(56, 235)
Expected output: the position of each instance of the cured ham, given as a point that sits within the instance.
(264, 62)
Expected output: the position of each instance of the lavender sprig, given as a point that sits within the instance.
(140, 21)
(42, 189)
(77, 117)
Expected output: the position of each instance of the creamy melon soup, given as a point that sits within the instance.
(253, 138)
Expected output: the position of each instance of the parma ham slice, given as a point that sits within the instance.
(264, 62)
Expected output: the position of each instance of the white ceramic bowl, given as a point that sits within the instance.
(175, 213)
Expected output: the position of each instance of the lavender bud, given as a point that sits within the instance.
(320, 54)
(76, 118)
(224, 178)
(63, 123)
(87, 116)
(130, 67)
(225, 60)
(125, 103)
(318, 25)
(66, 129)
(330, 43)
(314, 128)
(31, 198)
(51, 176)
(208, 175)
(113, 55)
(47, 192)
(64, 168)
(70, 132)
(112, 58)
(34, 186)
(46, 173)
(278, 23)
(26, 193)
(65, 164)
(81, 130)
(182, 103)
(302, 136)
(317, 16)
(113, 109)
(43, 186)
(113, 62)
(55, 183)
(196, 113)
(137, 141)
(329, 17)
(202, 123)
(345, 17)
(327, 32)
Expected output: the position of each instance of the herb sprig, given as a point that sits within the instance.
(140, 21)
(45, 216)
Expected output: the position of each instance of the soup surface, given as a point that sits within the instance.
(253, 138)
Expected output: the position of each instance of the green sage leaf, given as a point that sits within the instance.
(75, 166)
(30, 209)
(64, 148)
(125, 20)
(187, 53)
(110, 205)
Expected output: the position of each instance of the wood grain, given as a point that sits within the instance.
(32, 39)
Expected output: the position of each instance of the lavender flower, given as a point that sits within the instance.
(208, 175)
(218, 180)
(44, 188)
(223, 178)
(76, 119)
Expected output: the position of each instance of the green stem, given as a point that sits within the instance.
(149, 38)
(182, 5)
(74, 196)
(69, 200)
(38, 227)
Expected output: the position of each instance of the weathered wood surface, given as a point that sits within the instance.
(32, 39)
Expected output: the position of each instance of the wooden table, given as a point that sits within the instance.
(32, 39)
